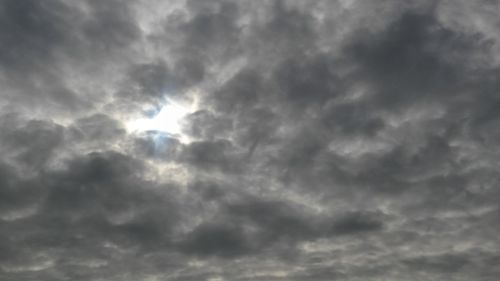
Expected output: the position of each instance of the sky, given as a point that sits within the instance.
(217, 140)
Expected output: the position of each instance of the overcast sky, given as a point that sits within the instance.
(249, 140)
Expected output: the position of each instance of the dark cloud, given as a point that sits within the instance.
(292, 32)
(45, 44)
(413, 60)
(275, 220)
(212, 31)
(443, 263)
(305, 80)
(356, 223)
(212, 155)
(151, 78)
(110, 25)
(207, 125)
(342, 140)
(240, 93)
(97, 127)
(214, 239)
(155, 80)
(31, 32)
(32, 143)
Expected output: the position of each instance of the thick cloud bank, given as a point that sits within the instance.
(309, 140)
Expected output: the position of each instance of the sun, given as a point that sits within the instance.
(168, 120)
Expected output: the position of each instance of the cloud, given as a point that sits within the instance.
(339, 139)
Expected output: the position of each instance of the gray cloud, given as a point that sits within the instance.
(338, 140)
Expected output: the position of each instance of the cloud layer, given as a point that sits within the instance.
(327, 140)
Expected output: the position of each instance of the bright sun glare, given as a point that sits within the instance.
(167, 120)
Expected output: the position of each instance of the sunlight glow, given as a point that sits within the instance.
(167, 120)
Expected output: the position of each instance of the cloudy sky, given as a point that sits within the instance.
(249, 140)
